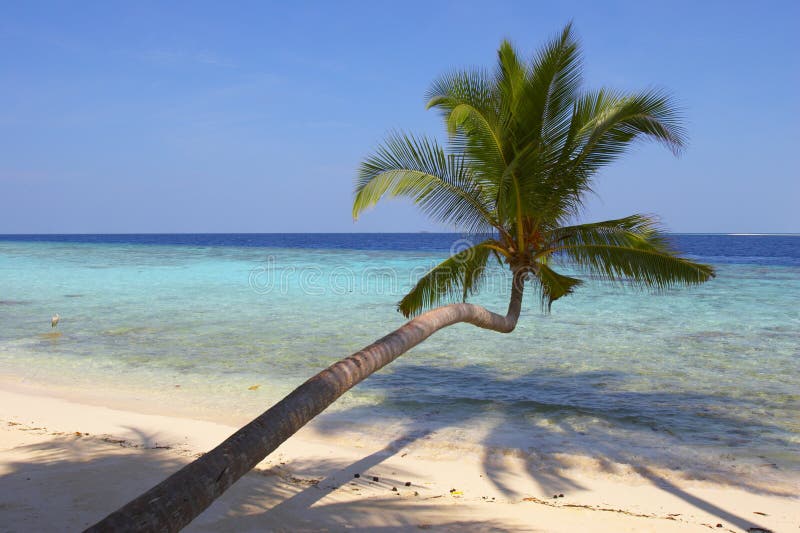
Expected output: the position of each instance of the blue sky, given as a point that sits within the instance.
(253, 117)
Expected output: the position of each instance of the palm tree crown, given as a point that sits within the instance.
(524, 143)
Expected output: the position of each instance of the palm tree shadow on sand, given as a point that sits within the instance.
(423, 399)
(71, 480)
(249, 505)
(550, 427)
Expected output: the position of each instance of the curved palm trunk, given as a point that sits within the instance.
(176, 501)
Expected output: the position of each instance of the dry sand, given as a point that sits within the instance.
(64, 465)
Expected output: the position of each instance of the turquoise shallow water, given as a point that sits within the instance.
(702, 373)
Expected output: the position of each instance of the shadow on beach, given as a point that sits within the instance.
(78, 480)
(67, 482)
(703, 436)
(70, 482)
(613, 441)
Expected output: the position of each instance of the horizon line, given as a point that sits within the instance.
(421, 232)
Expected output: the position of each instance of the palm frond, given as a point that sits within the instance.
(510, 77)
(639, 267)
(631, 250)
(468, 103)
(611, 121)
(543, 118)
(603, 125)
(553, 285)
(633, 231)
(457, 277)
(553, 83)
(417, 168)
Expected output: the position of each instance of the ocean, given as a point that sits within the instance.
(221, 326)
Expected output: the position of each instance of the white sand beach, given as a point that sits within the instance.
(66, 464)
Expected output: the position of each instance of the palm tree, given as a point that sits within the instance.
(524, 143)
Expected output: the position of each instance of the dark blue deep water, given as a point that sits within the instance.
(715, 248)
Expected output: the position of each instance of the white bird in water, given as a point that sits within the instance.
(54, 320)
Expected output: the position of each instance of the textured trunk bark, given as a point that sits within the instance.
(176, 501)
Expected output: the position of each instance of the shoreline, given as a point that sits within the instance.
(69, 463)
(368, 425)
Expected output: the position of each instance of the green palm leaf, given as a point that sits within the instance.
(419, 169)
(553, 83)
(611, 121)
(639, 267)
(454, 278)
(633, 231)
(553, 285)
(603, 126)
(630, 250)
(469, 105)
